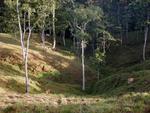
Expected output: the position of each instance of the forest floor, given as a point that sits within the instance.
(55, 78)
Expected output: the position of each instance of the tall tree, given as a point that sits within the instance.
(53, 23)
(27, 7)
(85, 15)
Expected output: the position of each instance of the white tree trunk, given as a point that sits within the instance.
(145, 39)
(26, 63)
(83, 66)
(26, 54)
(54, 32)
(145, 42)
(24, 50)
(21, 32)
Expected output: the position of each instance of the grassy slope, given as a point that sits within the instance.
(45, 67)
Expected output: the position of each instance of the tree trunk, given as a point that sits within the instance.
(83, 66)
(20, 30)
(145, 39)
(54, 32)
(26, 54)
(26, 62)
(145, 42)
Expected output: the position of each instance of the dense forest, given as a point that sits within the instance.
(74, 56)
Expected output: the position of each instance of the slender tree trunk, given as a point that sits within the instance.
(26, 54)
(83, 66)
(54, 32)
(20, 30)
(26, 63)
(145, 39)
(63, 37)
(145, 42)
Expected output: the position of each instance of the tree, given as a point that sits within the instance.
(85, 15)
(28, 9)
(25, 48)
(141, 10)
(53, 23)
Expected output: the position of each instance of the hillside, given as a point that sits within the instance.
(55, 78)
(45, 67)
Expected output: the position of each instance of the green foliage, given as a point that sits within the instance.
(85, 14)
(82, 35)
